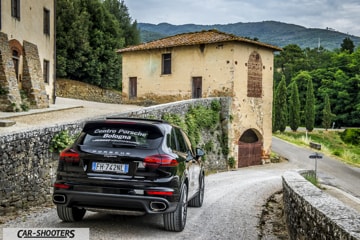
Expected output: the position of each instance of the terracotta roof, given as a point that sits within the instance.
(194, 38)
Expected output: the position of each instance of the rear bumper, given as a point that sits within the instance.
(129, 203)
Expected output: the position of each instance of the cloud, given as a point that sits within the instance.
(339, 15)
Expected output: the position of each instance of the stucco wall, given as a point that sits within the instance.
(30, 28)
(27, 167)
(313, 214)
(224, 69)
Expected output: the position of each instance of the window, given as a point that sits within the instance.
(46, 21)
(46, 71)
(15, 9)
(166, 63)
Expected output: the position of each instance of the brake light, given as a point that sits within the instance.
(163, 193)
(61, 186)
(160, 160)
(69, 155)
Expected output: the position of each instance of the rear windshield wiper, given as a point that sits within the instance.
(120, 144)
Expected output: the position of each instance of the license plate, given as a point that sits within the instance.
(110, 167)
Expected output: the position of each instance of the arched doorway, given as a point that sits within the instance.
(250, 147)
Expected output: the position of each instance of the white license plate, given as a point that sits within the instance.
(110, 167)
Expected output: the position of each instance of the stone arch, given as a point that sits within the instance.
(16, 45)
(250, 148)
(254, 80)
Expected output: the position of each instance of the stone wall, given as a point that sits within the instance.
(79, 90)
(10, 99)
(33, 82)
(27, 167)
(313, 214)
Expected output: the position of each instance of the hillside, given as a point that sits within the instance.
(275, 33)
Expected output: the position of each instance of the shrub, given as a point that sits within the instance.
(351, 136)
(60, 141)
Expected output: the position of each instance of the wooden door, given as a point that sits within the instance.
(196, 87)
(133, 87)
(249, 154)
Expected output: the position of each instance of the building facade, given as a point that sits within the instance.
(27, 54)
(209, 64)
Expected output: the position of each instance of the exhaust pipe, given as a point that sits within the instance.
(157, 206)
(59, 198)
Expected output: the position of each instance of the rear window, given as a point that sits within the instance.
(122, 135)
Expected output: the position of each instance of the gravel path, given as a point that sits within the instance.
(233, 204)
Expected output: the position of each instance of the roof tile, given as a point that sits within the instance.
(194, 38)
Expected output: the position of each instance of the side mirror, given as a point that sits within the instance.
(199, 152)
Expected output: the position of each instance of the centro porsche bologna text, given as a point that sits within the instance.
(54, 233)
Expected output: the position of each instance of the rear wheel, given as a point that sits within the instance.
(71, 214)
(197, 201)
(176, 221)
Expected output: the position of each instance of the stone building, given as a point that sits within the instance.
(209, 64)
(27, 54)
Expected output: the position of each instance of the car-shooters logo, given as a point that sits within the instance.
(46, 233)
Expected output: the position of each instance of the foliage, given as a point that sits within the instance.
(3, 91)
(331, 144)
(280, 107)
(60, 141)
(333, 73)
(294, 107)
(351, 136)
(327, 115)
(347, 45)
(231, 162)
(197, 119)
(309, 110)
(87, 37)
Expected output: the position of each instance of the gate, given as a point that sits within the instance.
(249, 154)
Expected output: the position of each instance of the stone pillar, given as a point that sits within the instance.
(32, 82)
(10, 99)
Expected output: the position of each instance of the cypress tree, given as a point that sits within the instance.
(327, 115)
(309, 110)
(280, 119)
(294, 107)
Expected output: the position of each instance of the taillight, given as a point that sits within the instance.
(69, 155)
(162, 193)
(160, 160)
(61, 185)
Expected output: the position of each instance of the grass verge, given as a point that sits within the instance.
(331, 144)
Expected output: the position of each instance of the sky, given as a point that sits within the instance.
(340, 15)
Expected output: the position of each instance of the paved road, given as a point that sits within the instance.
(231, 210)
(233, 200)
(330, 171)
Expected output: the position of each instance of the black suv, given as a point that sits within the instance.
(130, 166)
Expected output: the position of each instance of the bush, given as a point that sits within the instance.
(60, 141)
(351, 136)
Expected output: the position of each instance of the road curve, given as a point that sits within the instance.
(231, 210)
(330, 171)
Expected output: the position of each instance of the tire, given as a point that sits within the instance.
(72, 214)
(176, 220)
(197, 201)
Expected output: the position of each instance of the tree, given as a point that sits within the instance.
(280, 107)
(347, 45)
(120, 11)
(309, 110)
(294, 107)
(327, 116)
(88, 35)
